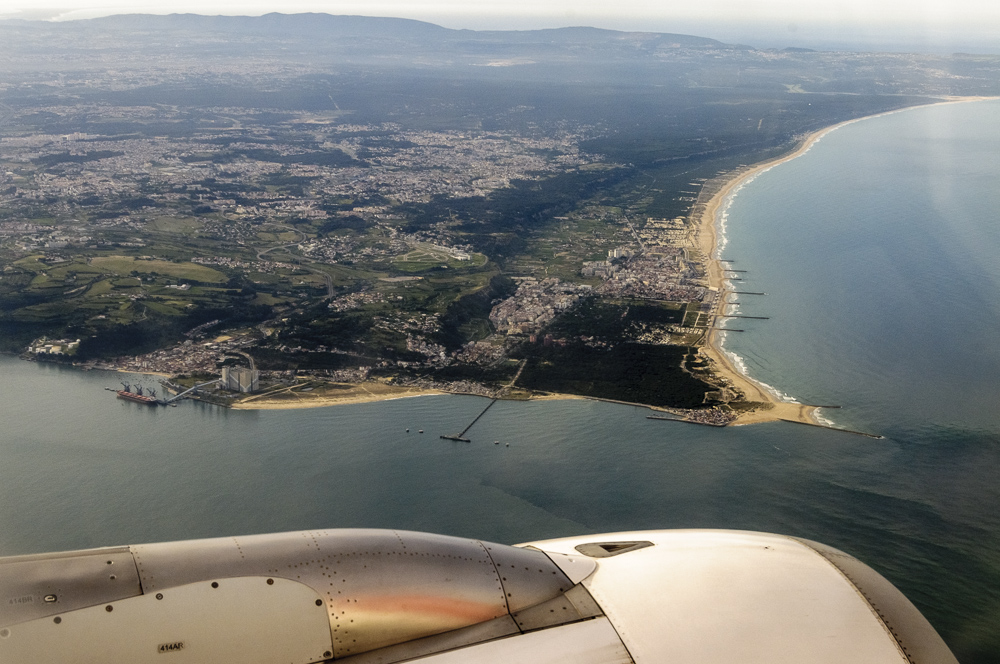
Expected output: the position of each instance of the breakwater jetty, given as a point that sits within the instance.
(677, 419)
(823, 426)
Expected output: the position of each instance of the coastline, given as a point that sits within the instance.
(368, 392)
(352, 394)
(708, 234)
(706, 217)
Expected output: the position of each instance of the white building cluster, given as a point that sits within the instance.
(240, 379)
(535, 304)
(54, 346)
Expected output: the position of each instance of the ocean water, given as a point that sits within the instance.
(878, 253)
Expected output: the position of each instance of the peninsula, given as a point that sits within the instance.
(362, 212)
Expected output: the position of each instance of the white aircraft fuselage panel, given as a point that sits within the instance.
(718, 597)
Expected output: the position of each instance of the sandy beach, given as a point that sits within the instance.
(342, 394)
(336, 394)
(706, 218)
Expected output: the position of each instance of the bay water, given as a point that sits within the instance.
(879, 253)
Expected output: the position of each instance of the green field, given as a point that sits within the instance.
(426, 256)
(128, 264)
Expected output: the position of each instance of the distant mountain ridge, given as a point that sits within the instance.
(306, 25)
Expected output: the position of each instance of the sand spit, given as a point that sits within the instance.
(335, 394)
(341, 394)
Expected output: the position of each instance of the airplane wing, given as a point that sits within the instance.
(384, 596)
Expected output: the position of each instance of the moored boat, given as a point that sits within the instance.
(137, 396)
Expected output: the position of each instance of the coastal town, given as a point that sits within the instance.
(663, 271)
(167, 225)
(280, 245)
(437, 237)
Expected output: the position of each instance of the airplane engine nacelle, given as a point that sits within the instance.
(380, 596)
(295, 597)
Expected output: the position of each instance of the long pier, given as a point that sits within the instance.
(461, 436)
(737, 292)
(741, 316)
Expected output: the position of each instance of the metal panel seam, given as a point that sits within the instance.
(138, 568)
(138, 574)
(857, 589)
(608, 617)
(503, 588)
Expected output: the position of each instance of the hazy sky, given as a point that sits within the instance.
(791, 20)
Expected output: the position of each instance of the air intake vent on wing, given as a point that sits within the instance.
(608, 549)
